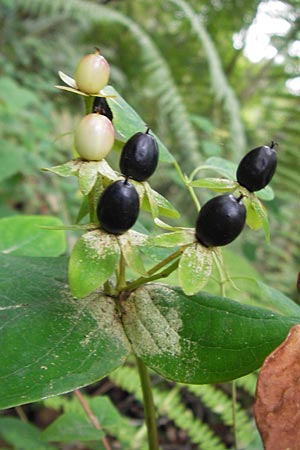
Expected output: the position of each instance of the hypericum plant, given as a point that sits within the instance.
(71, 330)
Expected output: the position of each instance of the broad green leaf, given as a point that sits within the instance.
(127, 122)
(87, 176)
(65, 170)
(49, 342)
(12, 159)
(201, 338)
(195, 267)
(92, 262)
(276, 300)
(72, 427)
(175, 238)
(23, 235)
(22, 435)
(76, 426)
(131, 254)
(216, 184)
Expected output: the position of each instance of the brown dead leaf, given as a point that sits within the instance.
(277, 405)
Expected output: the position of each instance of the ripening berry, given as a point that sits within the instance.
(257, 168)
(139, 156)
(118, 207)
(94, 137)
(220, 220)
(92, 73)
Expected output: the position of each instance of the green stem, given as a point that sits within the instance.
(142, 280)
(165, 261)
(233, 394)
(121, 284)
(185, 180)
(92, 207)
(88, 101)
(149, 409)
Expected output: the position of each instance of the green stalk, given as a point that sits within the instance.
(121, 276)
(149, 409)
(142, 280)
(186, 182)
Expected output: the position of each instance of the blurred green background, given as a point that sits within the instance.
(211, 78)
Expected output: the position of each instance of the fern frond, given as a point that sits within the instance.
(218, 402)
(221, 87)
(159, 74)
(169, 403)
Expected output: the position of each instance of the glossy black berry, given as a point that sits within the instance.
(101, 106)
(257, 168)
(139, 156)
(220, 220)
(118, 207)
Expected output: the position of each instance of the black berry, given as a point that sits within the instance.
(220, 220)
(139, 156)
(118, 207)
(257, 168)
(101, 106)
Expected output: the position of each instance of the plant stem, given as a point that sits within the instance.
(92, 206)
(142, 280)
(121, 283)
(165, 261)
(92, 417)
(233, 395)
(185, 180)
(149, 409)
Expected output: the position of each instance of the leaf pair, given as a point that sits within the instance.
(95, 257)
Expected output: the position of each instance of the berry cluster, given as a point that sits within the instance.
(222, 218)
(94, 135)
(138, 161)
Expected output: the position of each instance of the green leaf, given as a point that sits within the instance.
(92, 262)
(65, 170)
(22, 435)
(202, 338)
(72, 427)
(262, 215)
(127, 122)
(50, 343)
(157, 204)
(216, 184)
(106, 171)
(87, 176)
(266, 194)
(12, 159)
(222, 166)
(195, 267)
(131, 254)
(175, 238)
(76, 426)
(272, 298)
(23, 235)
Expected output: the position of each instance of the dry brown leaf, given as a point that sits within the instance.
(277, 405)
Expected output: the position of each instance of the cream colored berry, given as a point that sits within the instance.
(92, 73)
(94, 137)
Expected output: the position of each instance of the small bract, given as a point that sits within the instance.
(92, 73)
(118, 207)
(220, 220)
(94, 137)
